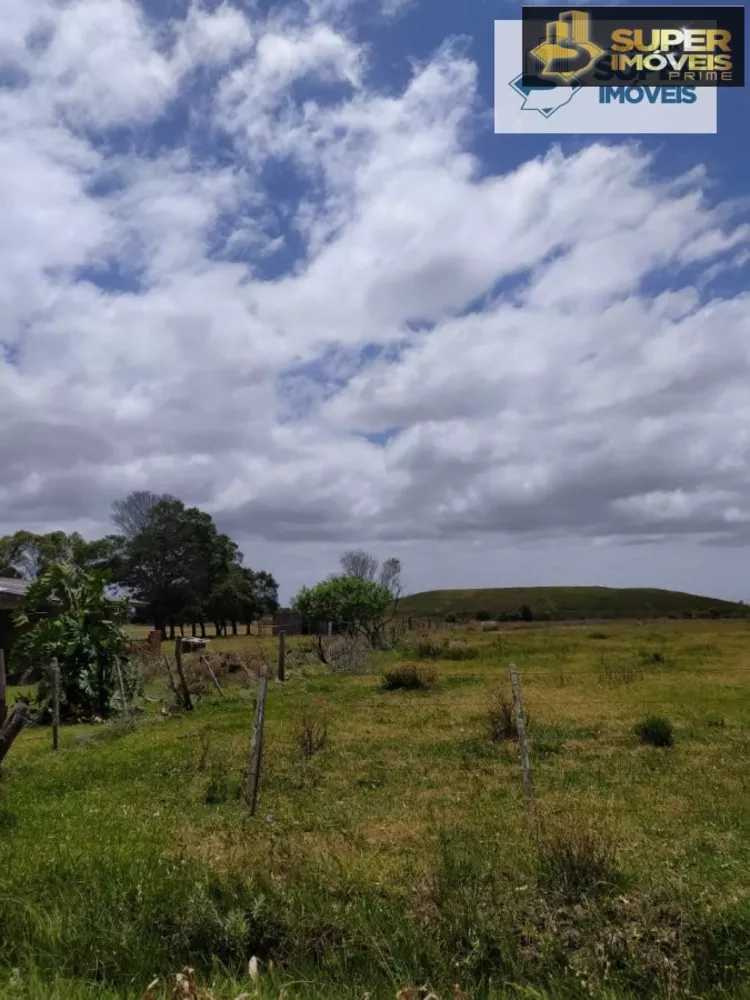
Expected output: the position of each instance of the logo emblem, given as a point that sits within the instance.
(546, 99)
(567, 51)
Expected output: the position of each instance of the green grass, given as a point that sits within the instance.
(569, 603)
(398, 854)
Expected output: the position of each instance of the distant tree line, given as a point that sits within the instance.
(170, 559)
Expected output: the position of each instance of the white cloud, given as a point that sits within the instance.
(533, 346)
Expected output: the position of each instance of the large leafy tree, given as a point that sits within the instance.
(29, 555)
(181, 565)
(68, 615)
(350, 603)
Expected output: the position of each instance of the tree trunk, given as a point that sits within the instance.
(234, 628)
(193, 629)
(182, 628)
(247, 628)
(203, 629)
(171, 630)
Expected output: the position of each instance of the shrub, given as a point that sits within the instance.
(410, 677)
(598, 635)
(526, 613)
(655, 730)
(502, 719)
(450, 618)
(576, 860)
(483, 616)
(427, 648)
(68, 615)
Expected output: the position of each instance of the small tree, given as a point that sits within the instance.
(67, 615)
(352, 604)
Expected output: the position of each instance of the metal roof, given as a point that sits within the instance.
(9, 585)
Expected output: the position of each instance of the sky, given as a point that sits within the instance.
(272, 258)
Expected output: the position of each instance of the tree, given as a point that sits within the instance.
(350, 603)
(359, 564)
(176, 561)
(390, 576)
(66, 614)
(29, 555)
(131, 515)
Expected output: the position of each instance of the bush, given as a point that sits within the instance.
(427, 648)
(655, 730)
(410, 677)
(450, 618)
(526, 613)
(502, 719)
(483, 616)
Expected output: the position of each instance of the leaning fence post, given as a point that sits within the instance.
(187, 701)
(55, 678)
(18, 717)
(121, 684)
(256, 748)
(3, 696)
(212, 675)
(282, 656)
(523, 743)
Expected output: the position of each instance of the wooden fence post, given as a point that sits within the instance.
(121, 683)
(282, 656)
(3, 701)
(55, 678)
(207, 665)
(523, 743)
(256, 748)
(187, 701)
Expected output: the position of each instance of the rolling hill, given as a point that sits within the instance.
(565, 603)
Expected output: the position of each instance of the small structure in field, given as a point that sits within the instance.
(193, 645)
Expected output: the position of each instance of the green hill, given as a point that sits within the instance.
(565, 603)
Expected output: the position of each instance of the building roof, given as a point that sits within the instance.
(9, 585)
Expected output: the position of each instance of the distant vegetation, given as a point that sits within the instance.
(566, 604)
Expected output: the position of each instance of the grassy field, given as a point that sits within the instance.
(398, 855)
(563, 603)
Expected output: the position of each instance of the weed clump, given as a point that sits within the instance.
(427, 648)
(656, 730)
(576, 861)
(410, 677)
(312, 733)
(501, 720)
